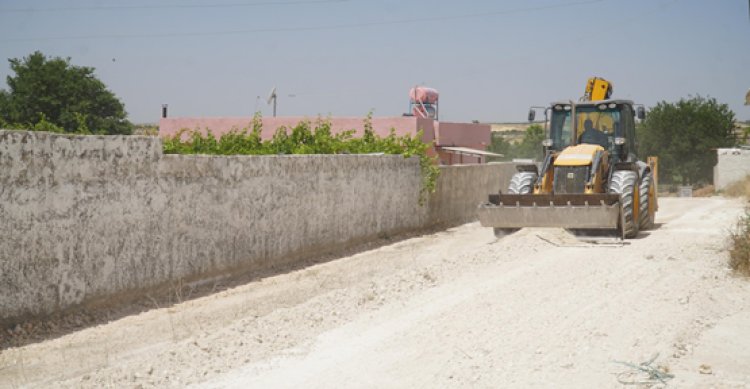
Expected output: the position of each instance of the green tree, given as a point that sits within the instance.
(67, 96)
(499, 145)
(4, 108)
(684, 135)
(531, 145)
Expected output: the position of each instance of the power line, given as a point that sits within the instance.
(307, 28)
(168, 6)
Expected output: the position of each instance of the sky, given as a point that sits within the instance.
(490, 60)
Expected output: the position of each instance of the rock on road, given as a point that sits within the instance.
(458, 308)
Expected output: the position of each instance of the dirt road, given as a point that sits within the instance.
(454, 309)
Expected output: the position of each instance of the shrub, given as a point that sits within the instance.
(739, 253)
(739, 188)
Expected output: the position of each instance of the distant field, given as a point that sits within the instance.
(512, 132)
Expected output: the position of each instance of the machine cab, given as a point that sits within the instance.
(608, 123)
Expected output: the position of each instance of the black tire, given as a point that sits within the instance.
(646, 219)
(522, 183)
(625, 183)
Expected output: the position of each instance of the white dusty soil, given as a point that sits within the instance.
(459, 308)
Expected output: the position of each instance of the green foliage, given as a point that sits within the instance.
(684, 135)
(146, 129)
(81, 123)
(4, 107)
(306, 139)
(499, 145)
(70, 97)
(745, 135)
(44, 125)
(529, 147)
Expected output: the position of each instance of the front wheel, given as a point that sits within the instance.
(625, 183)
(522, 183)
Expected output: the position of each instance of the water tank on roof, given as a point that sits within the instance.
(424, 95)
(423, 102)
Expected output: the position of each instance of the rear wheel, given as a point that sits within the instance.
(625, 183)
(645, 214)
(521, 183)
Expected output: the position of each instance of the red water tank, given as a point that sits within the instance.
(423, 94)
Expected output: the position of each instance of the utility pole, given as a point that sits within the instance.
(272, 96)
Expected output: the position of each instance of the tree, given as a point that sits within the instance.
(531, 145)
(499, 145)
(684, 135)
(54, 91)
(4, 108)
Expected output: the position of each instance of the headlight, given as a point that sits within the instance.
(547, 142)
(619, 141)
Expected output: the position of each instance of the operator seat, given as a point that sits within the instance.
(591, 135)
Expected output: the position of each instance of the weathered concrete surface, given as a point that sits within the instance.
(461, 188)
(85, 218)
(733, 165)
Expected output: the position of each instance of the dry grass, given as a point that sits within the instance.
(739, 188)
(706, 191)
(739, 251)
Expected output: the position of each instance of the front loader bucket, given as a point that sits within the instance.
(576, 211)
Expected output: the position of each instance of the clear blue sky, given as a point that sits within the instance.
(490, 60)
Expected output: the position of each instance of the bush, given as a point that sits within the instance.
(739, 188)
(529, 147)
(739, 253)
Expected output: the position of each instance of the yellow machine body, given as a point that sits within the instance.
(578, 155)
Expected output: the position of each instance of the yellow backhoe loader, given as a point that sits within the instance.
(590, 178)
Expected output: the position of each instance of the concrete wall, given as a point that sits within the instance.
(86, 218)
(461, 188)
(732, 165)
